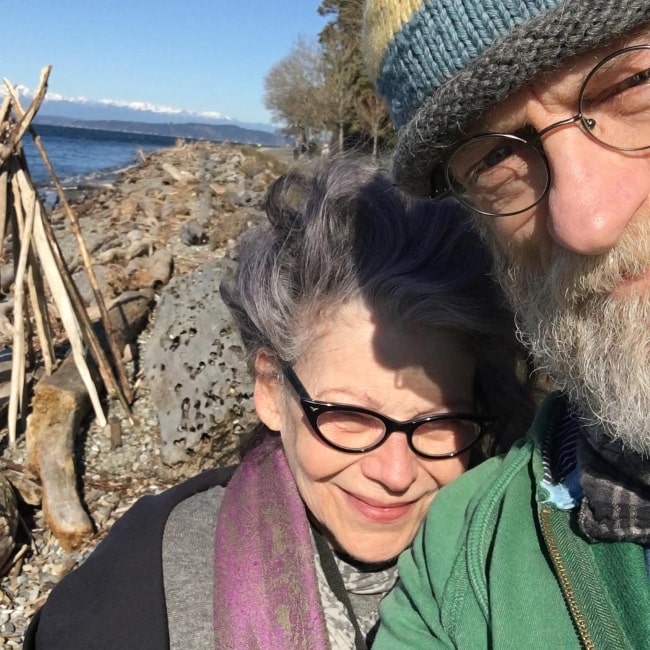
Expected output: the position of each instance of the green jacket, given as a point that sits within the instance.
(496, 565)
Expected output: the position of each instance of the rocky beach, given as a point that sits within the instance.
(167, 229)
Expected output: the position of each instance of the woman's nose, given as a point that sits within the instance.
(595, 191)
(394, 464)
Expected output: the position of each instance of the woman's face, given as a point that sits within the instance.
(371, 504)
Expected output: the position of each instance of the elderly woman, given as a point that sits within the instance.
(384, 366)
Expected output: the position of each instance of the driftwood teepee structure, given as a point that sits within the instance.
(47, 308)
(38, 264)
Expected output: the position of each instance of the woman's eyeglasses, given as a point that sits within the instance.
(355, 430)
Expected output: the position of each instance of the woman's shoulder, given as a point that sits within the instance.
(188, 569)
(116, 598)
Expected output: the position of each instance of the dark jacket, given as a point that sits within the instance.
(122, 576)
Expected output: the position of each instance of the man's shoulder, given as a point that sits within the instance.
(491, 481)
(477, 553)
(495, 476)
(493, 500)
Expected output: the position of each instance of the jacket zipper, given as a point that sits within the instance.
(563, 577)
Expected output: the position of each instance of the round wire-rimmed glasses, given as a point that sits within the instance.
(356, 430)
(503, 174)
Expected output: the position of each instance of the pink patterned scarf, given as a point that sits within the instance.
(266, 590)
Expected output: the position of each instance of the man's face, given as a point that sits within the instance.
(577, 265)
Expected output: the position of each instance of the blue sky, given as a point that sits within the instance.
(197, 55)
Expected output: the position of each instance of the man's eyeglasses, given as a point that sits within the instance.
(356, 430)
(501, 174)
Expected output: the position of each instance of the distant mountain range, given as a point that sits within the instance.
(138, 117)
(217, 132)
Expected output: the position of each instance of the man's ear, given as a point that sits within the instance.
(267, 393)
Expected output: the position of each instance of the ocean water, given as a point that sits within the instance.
(79, 154)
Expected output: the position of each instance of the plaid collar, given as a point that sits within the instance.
(609, 485)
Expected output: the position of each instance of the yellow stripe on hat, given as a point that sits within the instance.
(382, 19)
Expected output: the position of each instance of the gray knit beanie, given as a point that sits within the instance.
(439, 64)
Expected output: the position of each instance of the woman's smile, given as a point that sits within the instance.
(379, 511)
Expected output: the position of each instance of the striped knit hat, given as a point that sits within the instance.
(439, 64)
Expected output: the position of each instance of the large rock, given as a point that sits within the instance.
(195, 369)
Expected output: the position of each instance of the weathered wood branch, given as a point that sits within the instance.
(18, 367)
(27, 116)
(63, 301)
(36, 284)
(85, 256)
(3, 211)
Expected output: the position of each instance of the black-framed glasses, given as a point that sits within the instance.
(502, 174)
(356, 430)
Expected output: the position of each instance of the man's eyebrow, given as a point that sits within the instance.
(505, 122)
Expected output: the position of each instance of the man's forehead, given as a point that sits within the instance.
(558, 88)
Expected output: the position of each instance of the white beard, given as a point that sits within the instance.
(594, 344)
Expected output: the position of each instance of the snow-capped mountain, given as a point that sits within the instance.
(80, 108)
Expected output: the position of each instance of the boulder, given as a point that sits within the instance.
(194, 366)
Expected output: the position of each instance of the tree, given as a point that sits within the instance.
(293, 89)
(373, 116)
(324, 85)
(339, 88)
(343, 63)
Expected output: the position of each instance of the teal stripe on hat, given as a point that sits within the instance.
(439, 40)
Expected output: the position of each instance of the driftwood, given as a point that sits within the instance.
(26, 484)
(154, 271)
(41, 296)
(180, 176)
(8, 521)
(134, 249)
(59, 405)
(65, 302)
(7, 149)
(36, 263)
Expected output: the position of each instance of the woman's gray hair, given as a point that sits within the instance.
(342, 231)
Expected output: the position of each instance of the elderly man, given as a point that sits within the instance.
(535, 114)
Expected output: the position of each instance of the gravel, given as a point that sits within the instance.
(113, 480)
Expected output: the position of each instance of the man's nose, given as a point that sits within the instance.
(394, 464)
(595, 191)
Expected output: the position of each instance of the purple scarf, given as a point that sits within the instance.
(266, 590)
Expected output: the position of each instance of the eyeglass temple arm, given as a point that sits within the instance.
(296, 384)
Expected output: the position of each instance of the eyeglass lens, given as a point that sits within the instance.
(354, 431)
(499, 174)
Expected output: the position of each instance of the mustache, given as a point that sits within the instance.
(572, 280)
